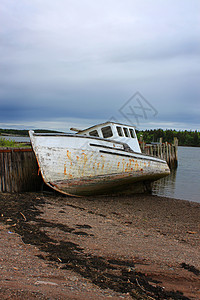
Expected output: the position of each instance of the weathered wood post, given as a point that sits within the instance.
(151, 150)
(142, 142)
(176, 151)
(18, 170)
(170, 155)
(167, 152)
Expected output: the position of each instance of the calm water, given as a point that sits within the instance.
(184, 183)
(24, 139)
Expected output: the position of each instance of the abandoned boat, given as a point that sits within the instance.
(105, 158)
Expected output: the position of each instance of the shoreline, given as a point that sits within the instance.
(116, 246)
(154, 193)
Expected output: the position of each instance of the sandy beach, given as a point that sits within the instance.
(120, 247)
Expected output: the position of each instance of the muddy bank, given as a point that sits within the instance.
(139, 247)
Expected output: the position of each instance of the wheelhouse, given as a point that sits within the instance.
(114, 131)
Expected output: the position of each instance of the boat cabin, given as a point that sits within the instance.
(116, 132)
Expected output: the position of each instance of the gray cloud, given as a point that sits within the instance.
(158, 51)
(83, 60)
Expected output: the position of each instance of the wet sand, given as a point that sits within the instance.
(120, 247)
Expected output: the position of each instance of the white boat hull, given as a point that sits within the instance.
(78, 165)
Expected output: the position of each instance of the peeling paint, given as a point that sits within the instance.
(65, 170)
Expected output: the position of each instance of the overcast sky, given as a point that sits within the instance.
(79, 62)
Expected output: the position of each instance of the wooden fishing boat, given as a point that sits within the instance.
(105, 158)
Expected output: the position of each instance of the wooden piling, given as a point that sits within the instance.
(166, 151)
(18, 170)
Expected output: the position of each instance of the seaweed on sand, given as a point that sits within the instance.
(25, 212)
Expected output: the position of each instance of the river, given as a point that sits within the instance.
(184, 182)
(20, 139)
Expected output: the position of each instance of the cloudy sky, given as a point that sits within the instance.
(79, 62)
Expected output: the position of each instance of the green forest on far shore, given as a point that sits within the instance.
(19, 132)
(185, 138)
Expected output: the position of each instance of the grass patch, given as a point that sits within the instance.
(10, 143)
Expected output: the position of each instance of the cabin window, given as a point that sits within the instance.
(106, 131)
(94, 133)
(119, 130)
(132, 133)
(126, 131)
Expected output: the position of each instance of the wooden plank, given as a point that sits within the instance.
(18, 171)
(9, 150)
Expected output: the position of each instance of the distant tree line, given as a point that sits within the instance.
(185, 138)
(13, 132)
(24, 132)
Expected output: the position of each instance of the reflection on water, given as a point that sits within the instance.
(184, 182)
(166, 186)
(20, 139)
